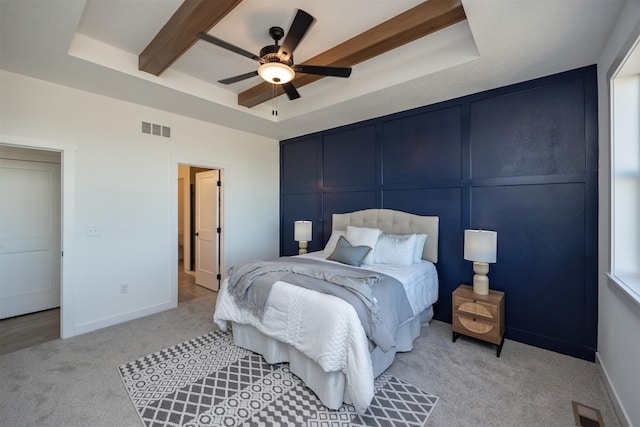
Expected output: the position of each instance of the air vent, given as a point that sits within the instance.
(155, 129)
(587, 416)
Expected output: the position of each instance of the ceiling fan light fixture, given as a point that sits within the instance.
(276, 73)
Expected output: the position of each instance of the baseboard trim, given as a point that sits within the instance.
(120, 318)
(578, 350)
(623, 418)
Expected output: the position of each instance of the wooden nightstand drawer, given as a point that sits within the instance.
(475, 307)
(477, 327)
(478, 316)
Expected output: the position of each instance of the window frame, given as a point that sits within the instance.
(626, 67)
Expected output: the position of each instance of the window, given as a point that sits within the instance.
(625, 173)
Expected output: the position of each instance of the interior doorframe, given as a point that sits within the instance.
(224, 177)
(67, 219)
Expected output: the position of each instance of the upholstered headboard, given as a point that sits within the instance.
(394, 222)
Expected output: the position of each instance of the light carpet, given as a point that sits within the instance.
(209, 381)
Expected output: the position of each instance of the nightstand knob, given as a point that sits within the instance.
(474, 300)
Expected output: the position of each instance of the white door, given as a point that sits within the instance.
(207, 223)
(29, 237)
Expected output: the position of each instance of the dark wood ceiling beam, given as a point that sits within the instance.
(424, 19)
(179, 33)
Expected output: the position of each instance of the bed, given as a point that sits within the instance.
(320, 335)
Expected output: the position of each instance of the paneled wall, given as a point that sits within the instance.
(520, 160)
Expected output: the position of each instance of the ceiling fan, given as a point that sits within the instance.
(276, 61)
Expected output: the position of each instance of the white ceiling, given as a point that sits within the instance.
(94, 45)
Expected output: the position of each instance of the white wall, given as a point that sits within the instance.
(618, 316)
(125, 182)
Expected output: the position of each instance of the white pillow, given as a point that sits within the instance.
(333, 240)
(362, 236)
(395, 249)
(421, 239)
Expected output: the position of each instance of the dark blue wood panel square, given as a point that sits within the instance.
(350, 158)
(301, 166)
(539, 131)
(541, 258)
(422, 147)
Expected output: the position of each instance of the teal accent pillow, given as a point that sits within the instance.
(347, 254)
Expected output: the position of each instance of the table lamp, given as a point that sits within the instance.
(302, 235)
(480, 246)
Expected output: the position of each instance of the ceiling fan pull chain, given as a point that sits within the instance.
(274, 109)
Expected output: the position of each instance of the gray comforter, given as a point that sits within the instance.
(379, 300)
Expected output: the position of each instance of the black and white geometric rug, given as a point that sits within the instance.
(209, 381)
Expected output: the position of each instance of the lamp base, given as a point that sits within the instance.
(302, 247)
(480, 279)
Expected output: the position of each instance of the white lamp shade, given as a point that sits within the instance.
(276, 73)
(302, 231)
(480, 245)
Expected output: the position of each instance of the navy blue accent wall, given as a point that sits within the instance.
(521, 160)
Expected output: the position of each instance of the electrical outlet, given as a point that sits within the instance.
(93, 231)
(124, 288)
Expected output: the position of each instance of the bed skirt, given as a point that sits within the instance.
(330, 387)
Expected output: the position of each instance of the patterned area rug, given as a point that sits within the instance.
(208, 381)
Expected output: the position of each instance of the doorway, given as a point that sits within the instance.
(29, 231)
(30, 246)
(199, 230)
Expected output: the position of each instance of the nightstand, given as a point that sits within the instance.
(479, 316)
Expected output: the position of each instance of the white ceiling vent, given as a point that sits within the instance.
(155, 129)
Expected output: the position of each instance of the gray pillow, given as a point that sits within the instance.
(347, 254)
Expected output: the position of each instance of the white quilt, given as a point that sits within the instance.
(337, 342)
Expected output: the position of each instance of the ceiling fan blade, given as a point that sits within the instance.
(238, 78)
(323, 71)
(223, 44)
(298, 29)
(291, 91)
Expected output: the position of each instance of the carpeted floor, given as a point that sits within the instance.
(75, 382)
(209, 381)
